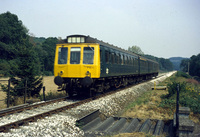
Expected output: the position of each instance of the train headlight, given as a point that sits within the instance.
(88, 74)
(61, 72)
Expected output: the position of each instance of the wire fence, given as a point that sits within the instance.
(7, 99)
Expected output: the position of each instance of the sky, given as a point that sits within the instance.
(162, 28)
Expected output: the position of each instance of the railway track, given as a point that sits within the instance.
(20, 108)
(22, 115)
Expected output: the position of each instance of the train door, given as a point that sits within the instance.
(139, 65)
(102, 60)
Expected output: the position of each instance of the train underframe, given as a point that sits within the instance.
(74, 86)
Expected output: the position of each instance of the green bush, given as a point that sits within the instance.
(182, 74)
(188, 97)
(173, 87)
(191, 100)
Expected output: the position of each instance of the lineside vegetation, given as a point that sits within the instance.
(161, 104)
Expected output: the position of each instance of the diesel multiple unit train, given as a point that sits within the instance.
(85, 65)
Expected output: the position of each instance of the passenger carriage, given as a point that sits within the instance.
(85, 65)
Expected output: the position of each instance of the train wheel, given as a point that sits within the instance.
(100, 88)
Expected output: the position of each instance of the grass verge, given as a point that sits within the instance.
(161, 104)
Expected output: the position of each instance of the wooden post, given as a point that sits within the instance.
(25, 91)
(8, 94)
(177, 108)
(44, 94)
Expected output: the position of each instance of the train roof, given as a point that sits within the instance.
(87, 39)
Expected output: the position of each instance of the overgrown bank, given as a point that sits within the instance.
(161, 104)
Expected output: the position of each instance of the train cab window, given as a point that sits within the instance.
(62, 55)
(88, 55)
(75, 55)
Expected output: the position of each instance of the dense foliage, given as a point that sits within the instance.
(14, 40)
(136, 49)
(189, 94)
(164, 64)
(193, 64)
(46, 52)
(18, 57)
(184, 65)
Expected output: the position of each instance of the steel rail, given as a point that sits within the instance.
(25, 121)
(20, 108)
(16, 124)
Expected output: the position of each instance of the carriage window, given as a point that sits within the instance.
(62, 55)
(107, 57)
(88, 55)
(75, 55)
(125, 60)
(118, 59)
(122, 59)
(112, 58)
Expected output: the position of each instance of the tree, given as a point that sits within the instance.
(136, 49)
(184, 65)
(19, 53)
(195, 65)
(46, 53)
(48, 46)
(12, 30)
(166, 64)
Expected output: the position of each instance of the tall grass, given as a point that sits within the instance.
(52, 95)
(143, 99)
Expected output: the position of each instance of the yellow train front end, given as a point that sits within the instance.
(76, 65)
(77, 60)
